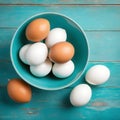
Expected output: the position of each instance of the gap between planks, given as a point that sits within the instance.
(15, 28)
(59, 4)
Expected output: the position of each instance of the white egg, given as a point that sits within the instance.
(22, 53)
(97, 75)
(55, 35)
(41, 70)
(37, 53)
(63, 70)
(80, 95)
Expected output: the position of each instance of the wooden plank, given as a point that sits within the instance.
(7, 72)
(5, 40)
(89, 17)
(104, 45)
(60, 2)
(104, 104)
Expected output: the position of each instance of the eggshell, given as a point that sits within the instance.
(61, 52)
(22, 53)
(19, 91)
(37, 53)
(56, 35)
(80, 95)
(41, 70)
(38, 30)
(63, 70)
(97, 75)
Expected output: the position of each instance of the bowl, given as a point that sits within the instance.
(75, 35)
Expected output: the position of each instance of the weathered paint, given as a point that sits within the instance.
(88, 17)
(101, 21)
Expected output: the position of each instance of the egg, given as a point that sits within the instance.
(97, 75)
(22, 53)
(61, 52)
(19, 91)
(41, 70)
(36, 54)
(56, 35)
(38, 30)
(80, 95)
(63, 70)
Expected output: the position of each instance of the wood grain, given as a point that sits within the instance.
(101, 21)
(59, 2)
(88, 17)
(104, 101)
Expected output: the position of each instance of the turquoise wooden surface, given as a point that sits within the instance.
(24, 2)
(101, 21)
(95, 17)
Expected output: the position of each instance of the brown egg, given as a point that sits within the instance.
(61, 52)
(38, 30)
(19, 91)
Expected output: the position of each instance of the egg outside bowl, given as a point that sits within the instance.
(75, 35)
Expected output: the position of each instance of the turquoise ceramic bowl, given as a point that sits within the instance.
(75, 35)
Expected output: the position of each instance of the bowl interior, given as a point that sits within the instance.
(74, 35)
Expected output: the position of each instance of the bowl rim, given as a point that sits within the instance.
(47, 88)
